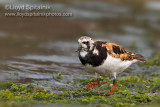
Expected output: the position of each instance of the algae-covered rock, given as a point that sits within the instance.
(129, 91)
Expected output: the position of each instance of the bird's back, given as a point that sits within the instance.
(117, 51)
(118, 59)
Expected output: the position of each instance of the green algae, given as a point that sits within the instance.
(59, 76)
(154, 61)
(5, 85)
(129, 91)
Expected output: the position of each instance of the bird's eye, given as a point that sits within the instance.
(85, 42)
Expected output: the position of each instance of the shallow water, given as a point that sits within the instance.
(38, 59)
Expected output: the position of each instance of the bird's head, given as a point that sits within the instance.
(85, 43)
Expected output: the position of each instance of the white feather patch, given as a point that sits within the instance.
(83, 53)
(95, 51)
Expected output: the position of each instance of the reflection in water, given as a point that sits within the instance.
(49, 48)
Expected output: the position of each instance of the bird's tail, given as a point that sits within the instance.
(139, 57)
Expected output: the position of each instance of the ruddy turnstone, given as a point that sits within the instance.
(105, 57)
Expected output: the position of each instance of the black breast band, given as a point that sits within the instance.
(94, 59)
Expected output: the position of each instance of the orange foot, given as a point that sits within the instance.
(90, 84)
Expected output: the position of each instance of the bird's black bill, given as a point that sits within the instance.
(79, 48)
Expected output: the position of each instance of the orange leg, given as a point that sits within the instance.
(90, 84)
(114, 83)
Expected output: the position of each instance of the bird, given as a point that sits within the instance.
(105, 58)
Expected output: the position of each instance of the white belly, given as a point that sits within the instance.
(112, 65)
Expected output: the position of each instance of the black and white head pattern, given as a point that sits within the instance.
(91, 52)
